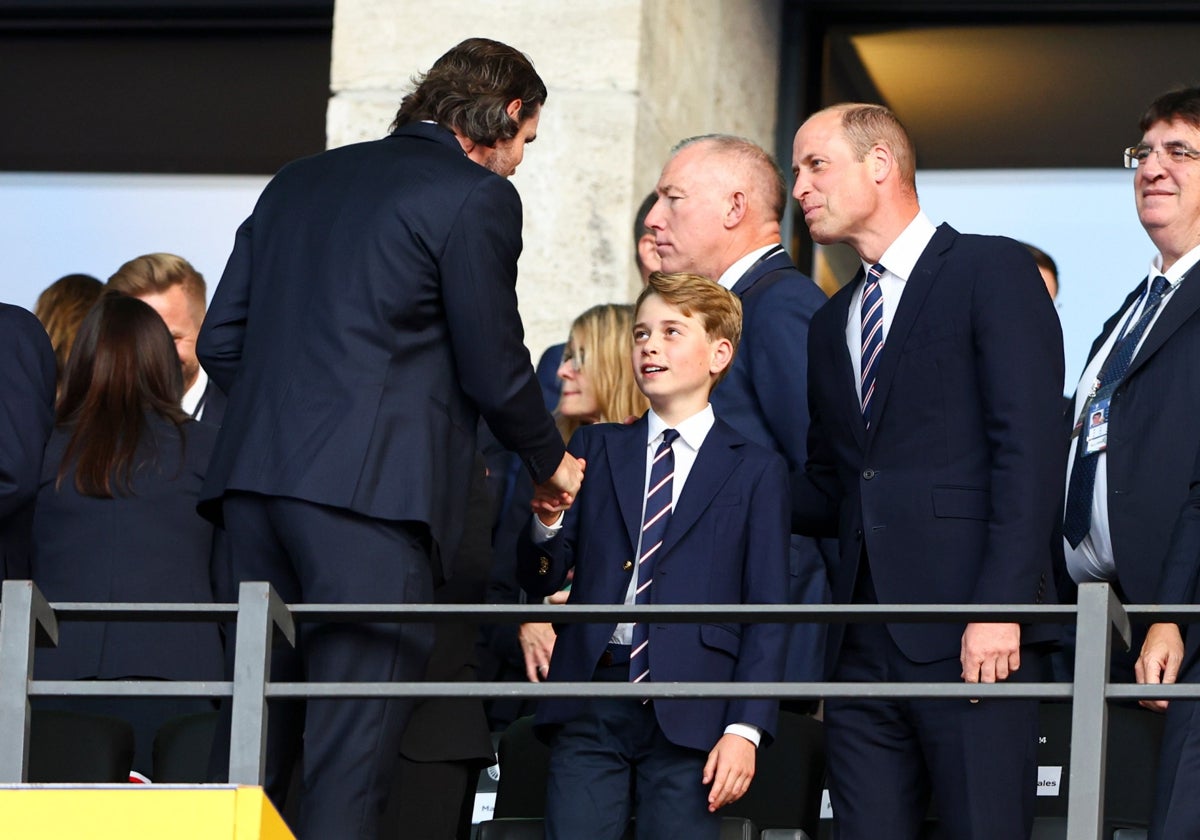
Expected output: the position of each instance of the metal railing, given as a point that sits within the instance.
(262, 619)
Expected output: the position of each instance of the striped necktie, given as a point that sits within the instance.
(872, 338)
(654, 528)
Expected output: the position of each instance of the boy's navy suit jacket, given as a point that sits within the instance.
(727, 543)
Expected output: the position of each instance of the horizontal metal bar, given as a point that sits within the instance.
(1180, 613)
(166, 688)
(668, 613)
(128, 611)
(128, 688)
(581, 613)
(675, 690)
(567, 613)
(1174, 691)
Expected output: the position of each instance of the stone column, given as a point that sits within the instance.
(627, 79)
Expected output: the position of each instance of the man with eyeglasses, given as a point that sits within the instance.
(1160, 468)
(1128, 475)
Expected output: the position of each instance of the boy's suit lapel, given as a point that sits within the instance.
(627, 462)
(715, 461)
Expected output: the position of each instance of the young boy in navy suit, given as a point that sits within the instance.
(677, 508)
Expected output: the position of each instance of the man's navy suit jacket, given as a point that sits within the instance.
(726, 543)
(214, 402)
(765, 394)
(953, 490)
(1153, 439)
(366, 317)
(27, 381)
(765, 397)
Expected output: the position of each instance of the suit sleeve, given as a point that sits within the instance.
(1182, 565)
(479, 275)
(27, 381)
(764, 581)
(815, 492)
(542, 568)
(223, 335)
(775, 351)
(1019, 362)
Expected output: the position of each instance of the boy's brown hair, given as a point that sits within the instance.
(717, 308)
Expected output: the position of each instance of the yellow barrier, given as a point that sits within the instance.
(135, 812)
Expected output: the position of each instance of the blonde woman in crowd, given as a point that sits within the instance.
(597, 387)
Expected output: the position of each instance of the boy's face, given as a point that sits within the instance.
(674, 361)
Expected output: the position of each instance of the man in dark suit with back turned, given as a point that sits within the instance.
(935, 391)
(27, 382)
(720, 199)
(365, 320)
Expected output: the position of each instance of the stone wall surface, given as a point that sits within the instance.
(627, 79)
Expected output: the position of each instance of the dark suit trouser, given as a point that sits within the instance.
(885, 757)
(614, 753)
(315, 554)
(1176, 802)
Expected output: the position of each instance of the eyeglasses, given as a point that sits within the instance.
(574, 357)
(1175, 154)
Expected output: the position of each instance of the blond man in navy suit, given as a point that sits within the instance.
(935, 393)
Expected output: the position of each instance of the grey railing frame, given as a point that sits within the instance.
(262, 620)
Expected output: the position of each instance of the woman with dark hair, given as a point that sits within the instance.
(116, 517)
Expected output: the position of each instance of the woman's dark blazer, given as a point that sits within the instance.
(149, 545)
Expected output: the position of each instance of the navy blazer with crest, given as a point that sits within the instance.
(727, 543)
(953, 490)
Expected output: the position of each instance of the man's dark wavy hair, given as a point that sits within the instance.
(1182, 105)
(468, 88)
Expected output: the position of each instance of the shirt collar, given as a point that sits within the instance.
(1181, 267)
(901, 256)
(734, 273)
(692, 431)
(191, 397)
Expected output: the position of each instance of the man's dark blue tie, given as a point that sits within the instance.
(872, 338)
(1077, 520)
(654, 528)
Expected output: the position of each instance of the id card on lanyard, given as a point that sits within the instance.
(1093, 421)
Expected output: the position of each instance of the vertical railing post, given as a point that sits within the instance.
(1099, 612)
(24, 615)
(260, 613)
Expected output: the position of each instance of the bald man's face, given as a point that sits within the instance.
(689, 217)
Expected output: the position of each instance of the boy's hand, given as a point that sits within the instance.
(558, 492)
(548, 519)
(730, 768)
